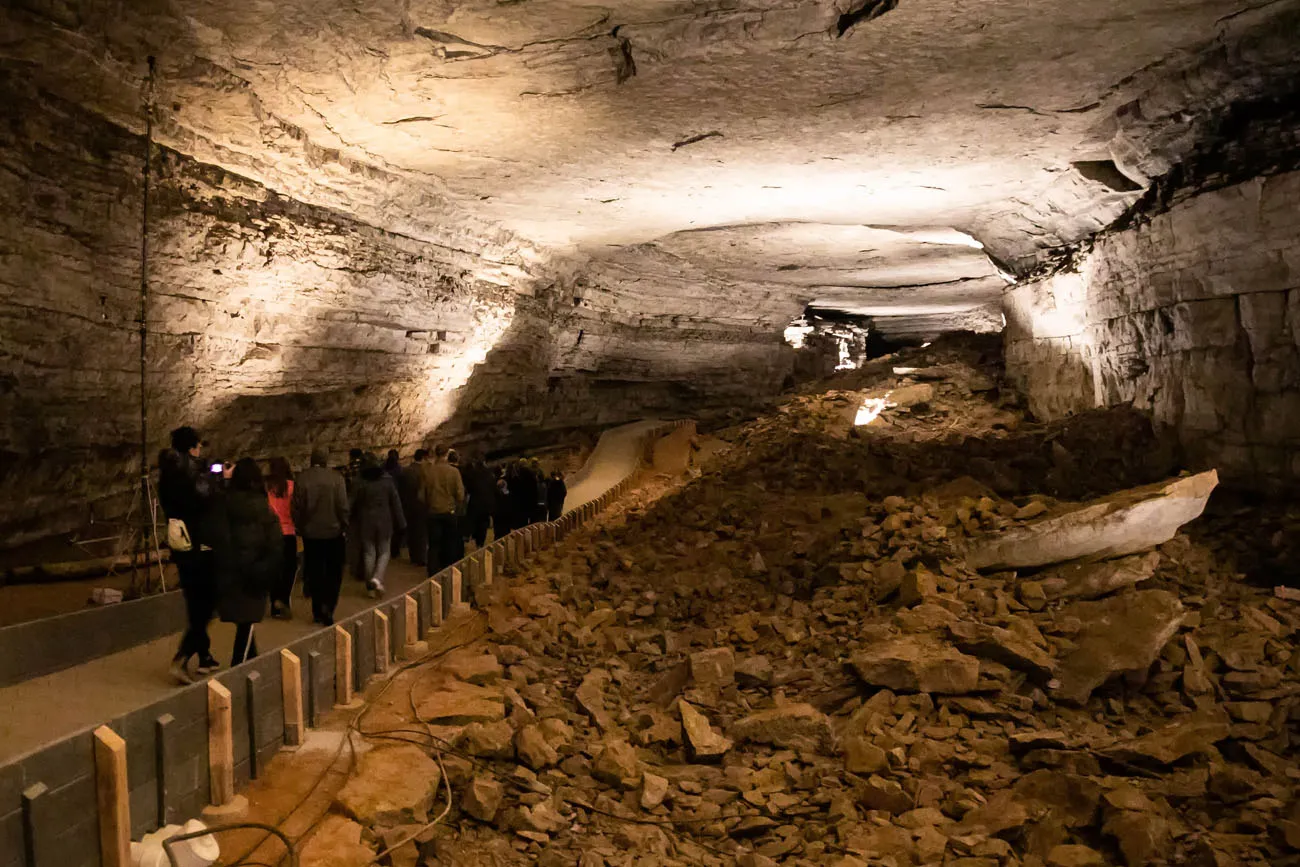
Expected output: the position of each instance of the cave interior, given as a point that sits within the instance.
(500, 223)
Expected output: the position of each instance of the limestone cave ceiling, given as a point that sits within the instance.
(857, 153)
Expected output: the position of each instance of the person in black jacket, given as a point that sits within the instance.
(523, 494)
(556, 491)
(502, 512)
(248, 547)
(376, 515)
(480, 494)
(188, 492)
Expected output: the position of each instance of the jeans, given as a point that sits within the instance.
(444, 542)
(322, 572)
(288, 572)
(199, 587)
(245, 644)
(376, 550)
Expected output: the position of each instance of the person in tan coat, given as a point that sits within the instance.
(442, 492)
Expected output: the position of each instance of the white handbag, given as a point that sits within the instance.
(178, 535)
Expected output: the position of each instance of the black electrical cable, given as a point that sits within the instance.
(234, 826)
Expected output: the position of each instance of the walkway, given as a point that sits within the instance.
(47, 708)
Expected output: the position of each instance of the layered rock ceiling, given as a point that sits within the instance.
(374, 221)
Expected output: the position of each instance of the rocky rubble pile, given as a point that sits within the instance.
(784, 664)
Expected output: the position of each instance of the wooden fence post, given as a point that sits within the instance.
(221, 749)
(113, 799)
(381, 642)
(291, 691)
(343, 695)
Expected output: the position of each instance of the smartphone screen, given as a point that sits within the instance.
(215, 468)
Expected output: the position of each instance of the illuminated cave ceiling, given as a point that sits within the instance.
(835, 149)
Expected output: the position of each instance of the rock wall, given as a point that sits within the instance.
(1194, 315)
(274, 324)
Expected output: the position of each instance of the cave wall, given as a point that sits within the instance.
(275, 325)
(636, 334)
(272, 324)
(1193, 314)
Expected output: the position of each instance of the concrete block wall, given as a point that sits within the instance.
(167, 741)
(41, 647)
(1194, 316)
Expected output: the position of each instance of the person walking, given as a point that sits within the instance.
(376, 512)
(393, 469)
(279, 493)
(320, 515)
(480, 495)
(540, 499)
(502, 521)
(249, 546)
(188, 492)
(443, 493)
(556, 491)
(523, 494)
(408, 488)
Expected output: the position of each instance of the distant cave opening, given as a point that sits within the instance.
(826, 341)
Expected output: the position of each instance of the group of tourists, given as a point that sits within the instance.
(235, 532)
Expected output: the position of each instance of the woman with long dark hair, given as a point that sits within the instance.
(279, 493)
(248, 551)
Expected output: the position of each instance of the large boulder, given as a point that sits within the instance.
(1120, 634)
(1113, 526)
(391, 786)
(917, 663)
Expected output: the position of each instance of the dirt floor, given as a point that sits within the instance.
(787, 655)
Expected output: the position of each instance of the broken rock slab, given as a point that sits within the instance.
(392, 786)
(715, 667)
(917, 663)
(617, 765)
(591, 697)
(1004, 646)
(473, 666)
(336, 843)
(1114, 526)
(791, 726)
(482, 798)
(1094, 580)
(1194, 733)
(460, 703)
(705, 743)
(1120, 634)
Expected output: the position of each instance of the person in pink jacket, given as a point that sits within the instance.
(279, 490)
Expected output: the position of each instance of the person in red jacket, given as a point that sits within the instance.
(279, 493)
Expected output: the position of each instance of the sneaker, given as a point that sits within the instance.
(207, 665)
(179, 672)
(375, 589)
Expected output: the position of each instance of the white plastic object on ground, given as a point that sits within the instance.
(198, 852)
